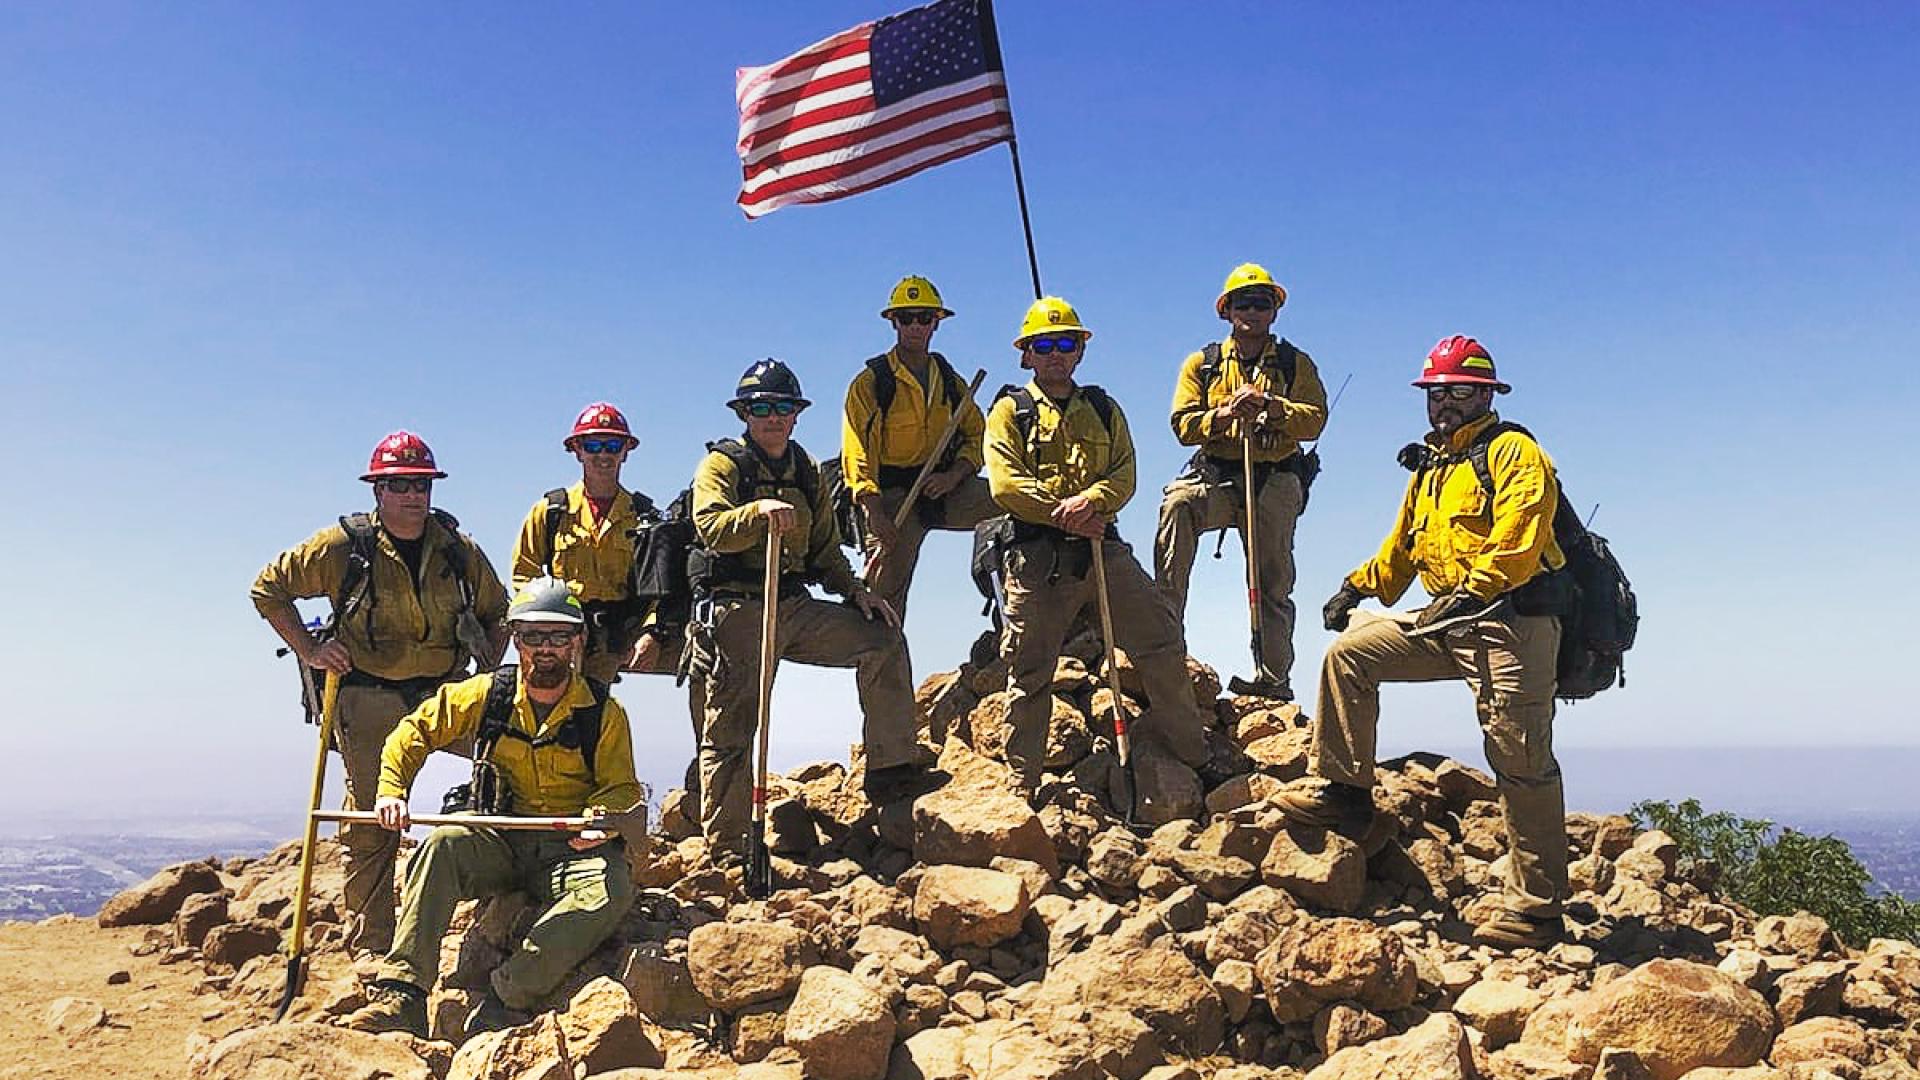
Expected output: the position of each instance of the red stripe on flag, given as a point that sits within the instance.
(864, 162)
(815, 55)
(800, 121)
(880, 181)
(794, 151)
(836, 81)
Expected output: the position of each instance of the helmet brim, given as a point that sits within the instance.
(748, 399)
(1463, 380)
(404, 470)
(945, 313)
(545, 617)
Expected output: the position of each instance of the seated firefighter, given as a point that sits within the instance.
(547, 742)
(1476, 527)
(742, 489)
(1060, 461)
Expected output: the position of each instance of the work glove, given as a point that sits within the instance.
(1457, 602)
(1337, 610)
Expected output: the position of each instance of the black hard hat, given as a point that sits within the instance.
(768, 380)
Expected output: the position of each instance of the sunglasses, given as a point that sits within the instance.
(763, 409)
(1458, 392)
(1065, 344)
(1253, 303)
(601, 446)
(402, 485)
(541, 639)
(915, 318)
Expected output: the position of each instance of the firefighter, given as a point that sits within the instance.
(1250, 391)
(741, 489)
(1476, 528)
(558, 746)
(896, 410)
(1061, 464)
(415, 603)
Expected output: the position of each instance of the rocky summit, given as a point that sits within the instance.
(965, 935)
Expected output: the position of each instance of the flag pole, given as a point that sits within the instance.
(1013, 150)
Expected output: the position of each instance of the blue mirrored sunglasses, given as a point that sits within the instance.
(764, 409)
(1065, 344)
(602, 446)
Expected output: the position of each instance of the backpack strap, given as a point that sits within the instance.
(1102, 405)
(456, 550)
(356, 585)
(1026, 411)
(1286, 359)
(956, 386)
(885, 386)
(748, 467)
(556, 510)
(496, 716)
(1477, 450)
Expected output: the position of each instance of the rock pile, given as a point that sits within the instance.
(968, 936)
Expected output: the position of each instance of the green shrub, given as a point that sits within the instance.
(1778, 871)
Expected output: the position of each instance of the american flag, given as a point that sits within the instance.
(870, 105)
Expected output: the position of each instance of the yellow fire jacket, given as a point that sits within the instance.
(1303, 411)
(594, 557)
(904, 437)
(403, 630)
(1068, 452)
(1452, 533)
(549, 781)
(726, 523)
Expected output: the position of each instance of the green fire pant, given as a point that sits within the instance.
(967, 505)
(1192, 508)
(1509, 664)
(586, 893)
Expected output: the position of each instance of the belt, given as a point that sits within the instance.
(415, 690)
(898, 476)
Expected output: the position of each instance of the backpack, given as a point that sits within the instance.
(661, 545)
(557, 510)
(1599, 614)
(580, 731)
(356, 586)
(885, 387)
(707, 568)
(1303, 464)
(992, 536)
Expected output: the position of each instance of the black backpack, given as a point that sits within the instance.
(485, 793)
(992, 536)
(706, 568)
(661, 545)
(1599, 614)
(1304, 464)
(643, 509)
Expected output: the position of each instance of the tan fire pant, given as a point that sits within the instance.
(587, 892)
(1509, 664)
(1044, 594)
(967, 505)
(363, 718)
(1192, 507)
(807, 631)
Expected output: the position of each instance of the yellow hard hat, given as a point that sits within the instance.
(1050, 315)
(1244, 276)
(914, 293)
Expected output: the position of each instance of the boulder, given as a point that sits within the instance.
(662, 990)
(1236, 983)
(735, 965)
(197, 917)
(1164, 788)
(1219, 876)
(1806, 992)
(308, 1050)
(1824, 1040)
(1115, 858)
(1318, 961)
(969, 825)
(1498, 1008)
(1435, 1050)
(758, 1030)
(532, 1051)
(1341, 1025)
(1004, 1050)
(1157, 985)
(157, 900)
(1805, 936)
(71, 1017)
(967, 905)
(603, 1031)
(1676, 1015)
(1527, 1061)
(1321, 867)
(841, 1029)
(906, 955)
(235, 943)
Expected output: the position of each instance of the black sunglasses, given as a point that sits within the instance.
(915, 318)
(541, 639)
(1253, 303)
(402, 485)
(1457, 392)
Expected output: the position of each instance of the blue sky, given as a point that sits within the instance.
(239, 243)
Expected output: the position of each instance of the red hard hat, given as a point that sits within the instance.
(402, 454)
(600, 418)
(1460, 359)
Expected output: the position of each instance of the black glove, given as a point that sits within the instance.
(1334, 615)
(1457, 602)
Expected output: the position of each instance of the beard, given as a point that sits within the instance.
(549, 672)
